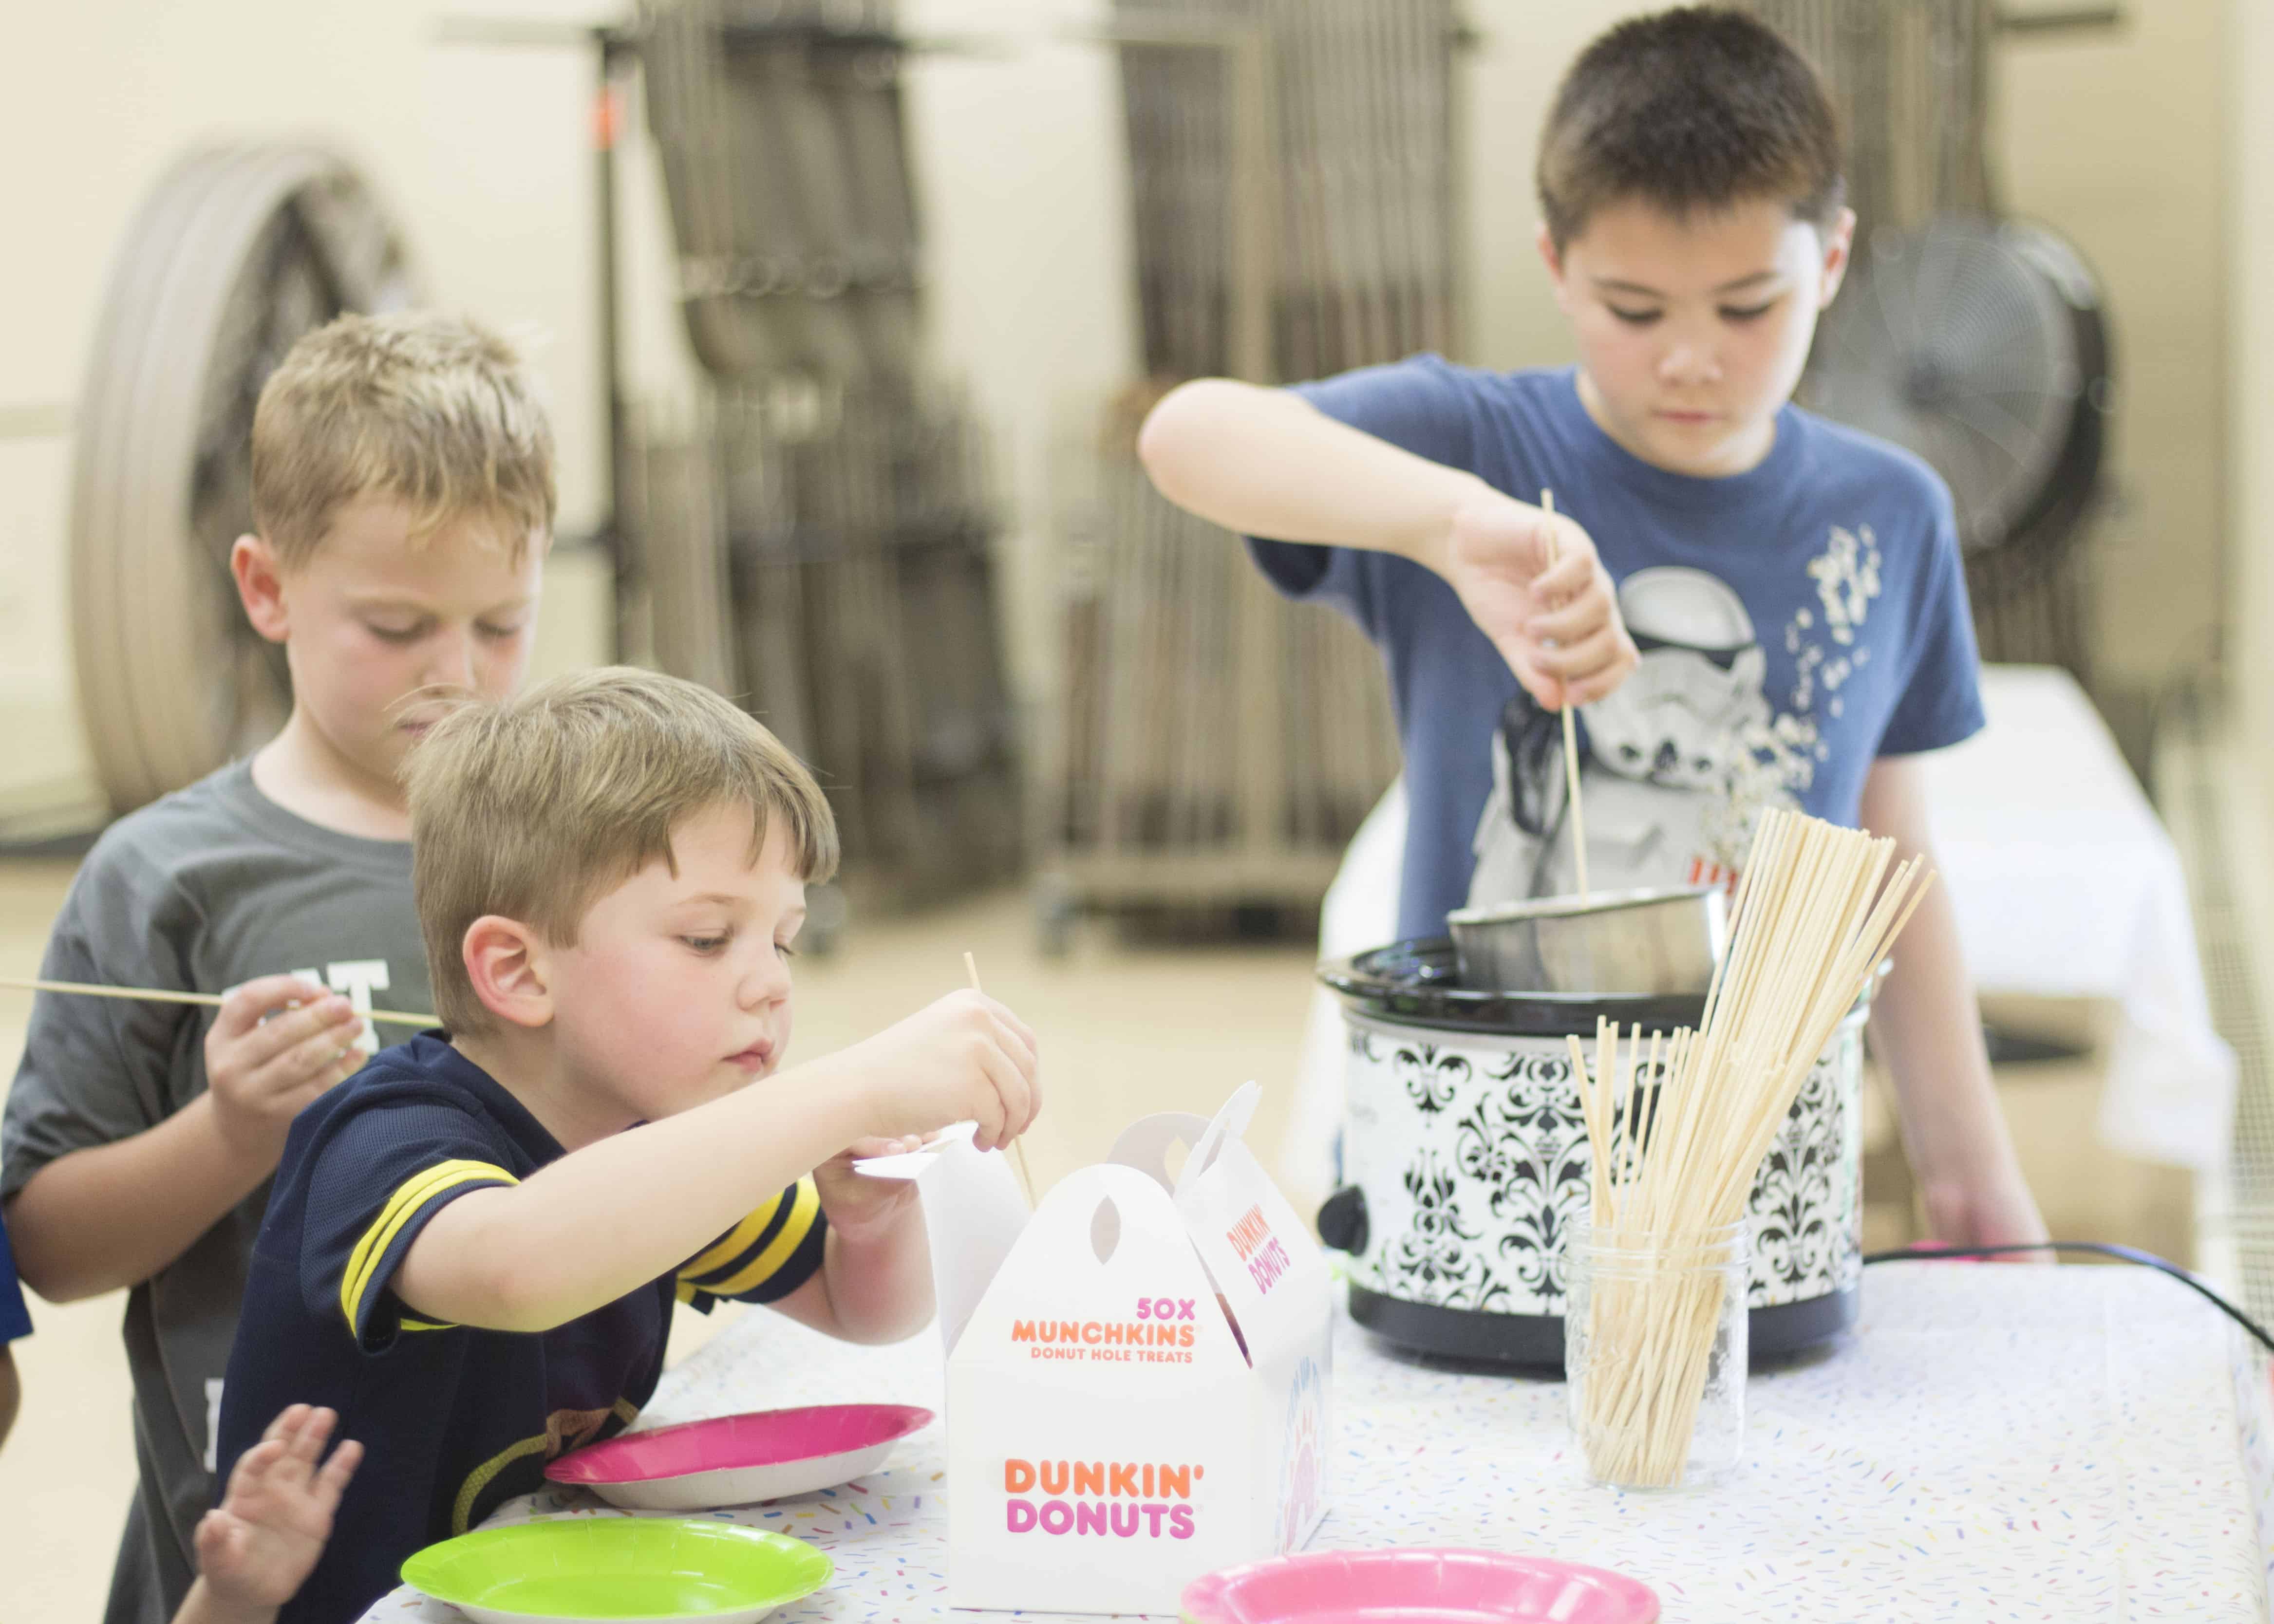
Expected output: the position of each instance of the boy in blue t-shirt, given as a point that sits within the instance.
(1752, 606)
(474, 1244)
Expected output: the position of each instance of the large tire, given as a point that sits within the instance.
(236, 251)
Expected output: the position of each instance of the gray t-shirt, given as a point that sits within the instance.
(204, 891)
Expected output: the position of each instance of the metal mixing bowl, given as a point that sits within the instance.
(1651, 943)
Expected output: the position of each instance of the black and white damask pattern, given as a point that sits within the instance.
(1472, 1153)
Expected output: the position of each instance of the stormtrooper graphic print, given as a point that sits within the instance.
(1680, 760)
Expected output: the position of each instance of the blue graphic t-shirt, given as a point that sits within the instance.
(1795, 623)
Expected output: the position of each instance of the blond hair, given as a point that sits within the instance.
(429, 409)
(533, 807)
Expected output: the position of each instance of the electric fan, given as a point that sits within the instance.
(1980, 345)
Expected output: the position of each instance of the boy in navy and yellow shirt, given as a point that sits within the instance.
(474, 1244)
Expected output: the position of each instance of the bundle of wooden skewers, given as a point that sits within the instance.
(1678, 1126)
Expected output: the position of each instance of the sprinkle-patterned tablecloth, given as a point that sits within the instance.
(1994, 1442)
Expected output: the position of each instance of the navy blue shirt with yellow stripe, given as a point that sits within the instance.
(454, 1419)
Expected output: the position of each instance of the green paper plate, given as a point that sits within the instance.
(627, 1571)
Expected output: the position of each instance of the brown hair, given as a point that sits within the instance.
(533, 807)
(1699, 108)
(431, 410)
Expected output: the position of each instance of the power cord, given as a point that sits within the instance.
(1929, 1251)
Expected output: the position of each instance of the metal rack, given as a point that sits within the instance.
(811, 531)
(1294, 188)
(823, 553)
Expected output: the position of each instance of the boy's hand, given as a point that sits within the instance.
(259, 1547)
(1531, 581)
(261, 1071)
(858, 1205)
(965, 1058)
(1992, 1210)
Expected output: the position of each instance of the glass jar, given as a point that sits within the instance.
(1654, 1353)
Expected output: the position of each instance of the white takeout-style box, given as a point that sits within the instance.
(1138, 1374)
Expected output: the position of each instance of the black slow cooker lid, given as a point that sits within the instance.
(1418, 982)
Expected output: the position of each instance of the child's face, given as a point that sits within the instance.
(1693, 330)
(677, 989)
(382, 634)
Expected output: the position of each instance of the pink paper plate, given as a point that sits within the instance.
(735, 1460)
(1417, 1587)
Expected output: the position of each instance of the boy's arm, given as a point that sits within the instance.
(1925, 1022)
(1265, 463)
(617, 1214)
(875, 1283)
(110, 1215)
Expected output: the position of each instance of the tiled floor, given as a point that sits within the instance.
(1125, 1031)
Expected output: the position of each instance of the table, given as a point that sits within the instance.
(2000, 1441)
(2065, 885)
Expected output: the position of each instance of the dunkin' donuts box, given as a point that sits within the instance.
(1137, 1374)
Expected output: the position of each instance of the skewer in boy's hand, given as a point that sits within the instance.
(258, 1548)
(1532, 583)
(962, 1058)
(275, 1044)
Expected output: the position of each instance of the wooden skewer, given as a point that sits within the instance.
(1570, 740)
(162, 995)
(1675, 1153)
(1018, 1151)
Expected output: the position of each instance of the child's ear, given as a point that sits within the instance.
(505, 961)
(1552, 258)
(1839, 243)
(259, 586)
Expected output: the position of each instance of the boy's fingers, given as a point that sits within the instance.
(1582, 656)
(314, 1059)
(287, 1421)
(315, 1427)
(1566, 578)
(220, 1539)
(1600, 683)
(1543, 686)
(1014, 1097)
(252, 1470)
(1571, 621)
(1018, 1042)
(331, 1482)
(1004, 1013)
(1022, 1111)
(988, 1118)
(243, 1009)
(329, 1015)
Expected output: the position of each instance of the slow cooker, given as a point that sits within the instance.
(1464, 1160)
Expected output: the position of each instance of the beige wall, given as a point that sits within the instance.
(2116, 139)
(2250, 267)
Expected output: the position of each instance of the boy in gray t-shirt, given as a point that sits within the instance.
(402, 493)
